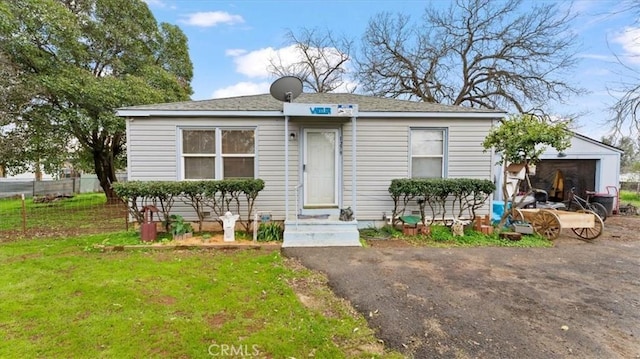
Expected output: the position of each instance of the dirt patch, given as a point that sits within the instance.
(214, 239)
(217, 320)
(579, 299)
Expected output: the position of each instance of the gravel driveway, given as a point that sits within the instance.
(576, 300)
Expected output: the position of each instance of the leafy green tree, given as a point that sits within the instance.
(523, 139)
(630, 147)
(82, 59)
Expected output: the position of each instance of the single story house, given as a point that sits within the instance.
(317, 155)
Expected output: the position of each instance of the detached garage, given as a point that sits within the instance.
(588, 165)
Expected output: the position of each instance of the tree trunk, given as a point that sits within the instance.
(105, 171)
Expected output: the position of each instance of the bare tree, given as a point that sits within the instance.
(627, 107)
(320, 60)
(476, 53)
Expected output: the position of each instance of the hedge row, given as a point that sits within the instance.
(217, 196)
(439, 194)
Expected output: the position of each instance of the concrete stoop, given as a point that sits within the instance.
(321, 233)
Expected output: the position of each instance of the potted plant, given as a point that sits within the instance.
(179, 228)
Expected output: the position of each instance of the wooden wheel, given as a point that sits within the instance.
(547, 224)
(590, 233)
(518, 215)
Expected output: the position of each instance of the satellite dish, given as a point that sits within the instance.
(286, 88)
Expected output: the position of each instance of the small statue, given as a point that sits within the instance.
(229, 226)
(457, 229)
(346, 214)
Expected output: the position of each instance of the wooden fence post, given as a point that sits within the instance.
(24, 217)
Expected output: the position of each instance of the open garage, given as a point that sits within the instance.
(588, 165)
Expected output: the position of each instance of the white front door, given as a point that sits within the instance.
(320, 167)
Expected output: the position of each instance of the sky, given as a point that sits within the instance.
(231, 42)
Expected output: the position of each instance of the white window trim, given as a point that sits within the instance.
(218, 155)
(444, 155)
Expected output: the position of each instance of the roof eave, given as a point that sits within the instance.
(432, 114)
(195, 113)
(366, 114)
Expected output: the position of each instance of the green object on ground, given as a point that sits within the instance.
(411, 219)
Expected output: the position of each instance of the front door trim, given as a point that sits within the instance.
(337, 168)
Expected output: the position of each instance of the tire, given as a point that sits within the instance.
(599, 209)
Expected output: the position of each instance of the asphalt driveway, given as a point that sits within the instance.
(576, 300)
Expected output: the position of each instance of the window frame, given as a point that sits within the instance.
(218, 155)
(443, 156)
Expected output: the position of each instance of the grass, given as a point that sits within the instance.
(83, 212)
(441, 237)
(630, 197)
(61, 299)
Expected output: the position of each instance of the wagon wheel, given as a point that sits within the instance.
(590, 233)
(518, 215)
(547, 224)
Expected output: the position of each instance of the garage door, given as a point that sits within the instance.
(580, 174)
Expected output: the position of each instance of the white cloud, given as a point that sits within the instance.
(255, 64)
(597, 72)
(212, 18)
(235, 52)
(242, 89)
(597, 57)
(629, 39)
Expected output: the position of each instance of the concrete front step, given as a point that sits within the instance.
(321, 233)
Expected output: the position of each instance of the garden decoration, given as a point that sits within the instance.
(229, 226)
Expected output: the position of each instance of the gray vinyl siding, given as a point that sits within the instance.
(153, 156)
(383, 154)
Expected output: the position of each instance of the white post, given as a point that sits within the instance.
(286, 168)
(353, 168)
(255, 226)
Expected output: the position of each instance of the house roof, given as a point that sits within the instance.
(267, 103)
(597, 143)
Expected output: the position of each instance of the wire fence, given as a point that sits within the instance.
(60, 216)
(31, 188)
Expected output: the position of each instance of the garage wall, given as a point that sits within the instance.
(607, 160)
(601, 166)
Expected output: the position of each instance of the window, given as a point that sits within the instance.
(427, 153)
(218, 153)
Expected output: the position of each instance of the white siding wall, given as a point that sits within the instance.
(153, 156)
(382, 155)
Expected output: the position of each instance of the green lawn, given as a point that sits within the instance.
(441, 236)
(84, 213)
(630, 197)
(63, 299)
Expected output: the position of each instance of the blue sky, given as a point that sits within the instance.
(231, 42)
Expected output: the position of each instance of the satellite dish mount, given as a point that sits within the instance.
(286, 89)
